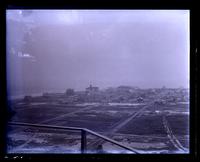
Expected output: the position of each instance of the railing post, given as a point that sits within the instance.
(83, 134)
(83, 141)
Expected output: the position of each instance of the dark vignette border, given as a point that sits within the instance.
(103, 4)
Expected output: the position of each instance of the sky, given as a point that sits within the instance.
(52, 50)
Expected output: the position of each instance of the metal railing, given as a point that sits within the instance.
(84, 132)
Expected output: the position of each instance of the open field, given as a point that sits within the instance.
(182, 124)
(145, 125)
(139, 126)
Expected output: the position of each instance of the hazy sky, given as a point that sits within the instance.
(52, 50)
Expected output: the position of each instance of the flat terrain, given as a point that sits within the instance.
(145, 127)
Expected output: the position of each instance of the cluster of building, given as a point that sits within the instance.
(121, 94)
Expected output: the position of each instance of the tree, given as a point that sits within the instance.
(69, 92)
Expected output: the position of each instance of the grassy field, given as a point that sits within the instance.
(145, 125)
(179, 124)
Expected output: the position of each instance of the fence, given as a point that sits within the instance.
(84, 132)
